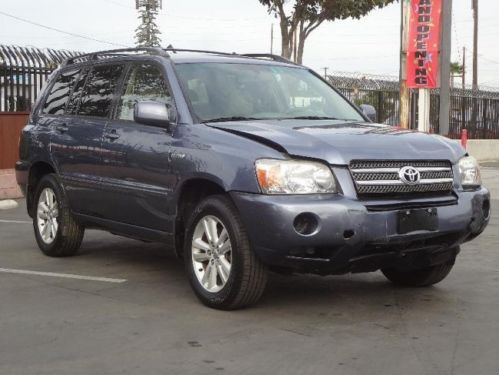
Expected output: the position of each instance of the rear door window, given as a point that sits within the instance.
(97, 95)
(55, 104)
(144, 82)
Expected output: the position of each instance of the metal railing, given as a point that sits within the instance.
(474, 110)
(23, 71)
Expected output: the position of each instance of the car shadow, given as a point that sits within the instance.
(351, 295)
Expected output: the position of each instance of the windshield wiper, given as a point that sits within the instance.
(233, 118)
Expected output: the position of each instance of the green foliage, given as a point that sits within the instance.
(456, 68)
(300, 17)
(327, 10)
(148, 33)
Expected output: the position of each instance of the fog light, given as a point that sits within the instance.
(306, 224)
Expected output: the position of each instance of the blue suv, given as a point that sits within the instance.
(242, 164)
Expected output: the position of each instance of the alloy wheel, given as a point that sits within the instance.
(47, 214)
(211, 253)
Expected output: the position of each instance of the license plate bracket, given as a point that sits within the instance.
(417, 219)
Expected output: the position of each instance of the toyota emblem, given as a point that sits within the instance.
(409, 175)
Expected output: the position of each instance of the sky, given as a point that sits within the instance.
(369, 45)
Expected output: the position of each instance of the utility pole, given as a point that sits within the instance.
(148, 33)
(325, 72)
(405, 96)
(464, 68)
(272, 39)
(475, 44)
(445, 51)
(474, 112)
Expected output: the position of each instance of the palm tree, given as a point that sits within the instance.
(456, 70)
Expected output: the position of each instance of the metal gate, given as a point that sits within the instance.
(23, 71)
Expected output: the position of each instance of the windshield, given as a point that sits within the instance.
(228, 91)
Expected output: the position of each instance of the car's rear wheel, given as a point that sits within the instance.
(418, 277)
(57, 233)
(222, 268)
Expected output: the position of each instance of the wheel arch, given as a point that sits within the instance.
(36, 172)
(190, 193)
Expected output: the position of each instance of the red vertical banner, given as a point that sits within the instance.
(423, 48)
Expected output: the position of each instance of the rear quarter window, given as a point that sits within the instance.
(55, 104)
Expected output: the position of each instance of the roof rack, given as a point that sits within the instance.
(164, 53)
(113, 53)
(175, 50)
(269, 56)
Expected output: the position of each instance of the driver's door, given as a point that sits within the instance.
(137, 178)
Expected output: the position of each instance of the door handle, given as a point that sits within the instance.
(62, 128)
(112, 135)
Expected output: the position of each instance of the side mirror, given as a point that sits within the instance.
(369, 111)
(154, 114)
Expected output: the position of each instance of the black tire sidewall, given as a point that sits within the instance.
(50, 181)
(419, 277)
(220, 208)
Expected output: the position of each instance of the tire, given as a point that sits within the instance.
(247, 276)
(64, 238)
(420, 277)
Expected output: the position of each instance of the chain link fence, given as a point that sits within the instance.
(474, 110)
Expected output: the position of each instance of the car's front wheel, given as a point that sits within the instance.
(418, 277)
(222, 268)
(57, 232)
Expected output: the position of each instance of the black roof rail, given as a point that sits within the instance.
(175, 50)
(234, 54)
(116, 52)
(157, 51)
(269, 56)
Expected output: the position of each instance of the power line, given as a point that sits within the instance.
(61, 31)
(217, 19)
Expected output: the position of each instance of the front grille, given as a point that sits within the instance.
(378, 177)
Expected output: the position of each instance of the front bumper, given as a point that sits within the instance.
(352, 238)
(22, 174)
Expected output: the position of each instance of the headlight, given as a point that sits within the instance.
(470, 172)
(294, 177)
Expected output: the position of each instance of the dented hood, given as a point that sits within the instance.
(339, 142)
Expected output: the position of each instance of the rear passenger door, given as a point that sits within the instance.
(136, 161)
(77, 143)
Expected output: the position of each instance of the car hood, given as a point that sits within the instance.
(339, 142)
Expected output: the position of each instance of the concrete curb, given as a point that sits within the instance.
(8, 204)
(8, 185)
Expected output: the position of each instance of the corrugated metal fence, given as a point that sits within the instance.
(11, 124)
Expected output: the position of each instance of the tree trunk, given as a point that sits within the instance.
(286, 40)
(302, 36)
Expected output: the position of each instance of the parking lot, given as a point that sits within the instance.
(124, 306)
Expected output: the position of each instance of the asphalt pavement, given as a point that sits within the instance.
(125, 307)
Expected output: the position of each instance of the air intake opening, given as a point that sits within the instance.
(348, 234)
